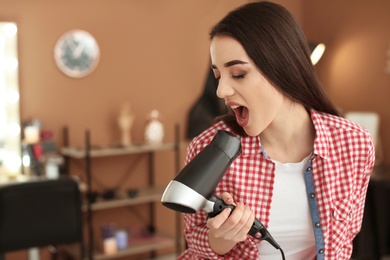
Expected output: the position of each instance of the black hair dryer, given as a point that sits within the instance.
(192, 188)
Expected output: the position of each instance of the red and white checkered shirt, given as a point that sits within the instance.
(342, 161)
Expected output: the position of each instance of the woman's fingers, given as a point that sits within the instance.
(240, 221)
(215, 224)
(227, 198)
(233, 226)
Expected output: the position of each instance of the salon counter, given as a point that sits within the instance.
(373, 241)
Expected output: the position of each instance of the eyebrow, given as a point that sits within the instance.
(230, 63)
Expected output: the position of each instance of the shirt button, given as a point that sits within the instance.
(312, 195)
(308, 169)
(321, 251)
(317, 224)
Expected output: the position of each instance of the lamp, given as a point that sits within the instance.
(316, 52)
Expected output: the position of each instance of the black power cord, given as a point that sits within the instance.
(279, 248)
(281, 251)
(267, 238)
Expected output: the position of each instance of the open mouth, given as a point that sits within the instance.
(242, 114)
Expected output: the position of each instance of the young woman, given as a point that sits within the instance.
(303, 170)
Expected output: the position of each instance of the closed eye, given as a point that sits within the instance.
(241, 76)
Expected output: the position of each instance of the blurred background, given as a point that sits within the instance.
(154, 55)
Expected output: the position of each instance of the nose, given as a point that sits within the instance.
(224, 89)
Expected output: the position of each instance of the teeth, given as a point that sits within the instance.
(234, 107)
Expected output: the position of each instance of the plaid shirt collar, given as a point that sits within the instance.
(321, 141)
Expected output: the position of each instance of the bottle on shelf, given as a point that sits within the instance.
(154, 130)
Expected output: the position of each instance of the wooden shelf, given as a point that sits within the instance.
(80, 153)
(144, 196)
(138, 246)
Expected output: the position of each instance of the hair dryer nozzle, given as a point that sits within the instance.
(196, 182)
(182, 198)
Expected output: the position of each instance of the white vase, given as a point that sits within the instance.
(154, 130)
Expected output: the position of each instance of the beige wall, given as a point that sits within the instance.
(154, 54)
(352, 70)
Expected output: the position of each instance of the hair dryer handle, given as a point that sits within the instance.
(219, 206)
(257, 226)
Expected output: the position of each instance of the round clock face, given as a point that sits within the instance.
(76, 53)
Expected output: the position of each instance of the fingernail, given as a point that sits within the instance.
(228, 200)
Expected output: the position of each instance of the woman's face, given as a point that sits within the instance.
(255, 102)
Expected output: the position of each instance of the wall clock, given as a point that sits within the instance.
(76, 53)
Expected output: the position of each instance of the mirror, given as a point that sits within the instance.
(10, 129)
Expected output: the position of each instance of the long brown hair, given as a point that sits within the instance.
(273, 39)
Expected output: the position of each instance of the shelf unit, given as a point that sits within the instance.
(149, 195)
(144, 196)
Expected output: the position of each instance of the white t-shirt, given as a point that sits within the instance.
(290, 221)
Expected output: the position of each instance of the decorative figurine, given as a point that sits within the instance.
(125, 120)
(154, 130)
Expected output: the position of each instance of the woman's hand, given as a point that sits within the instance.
(228, 228)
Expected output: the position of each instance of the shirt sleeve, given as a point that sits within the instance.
(196, 233)
(362, 185)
